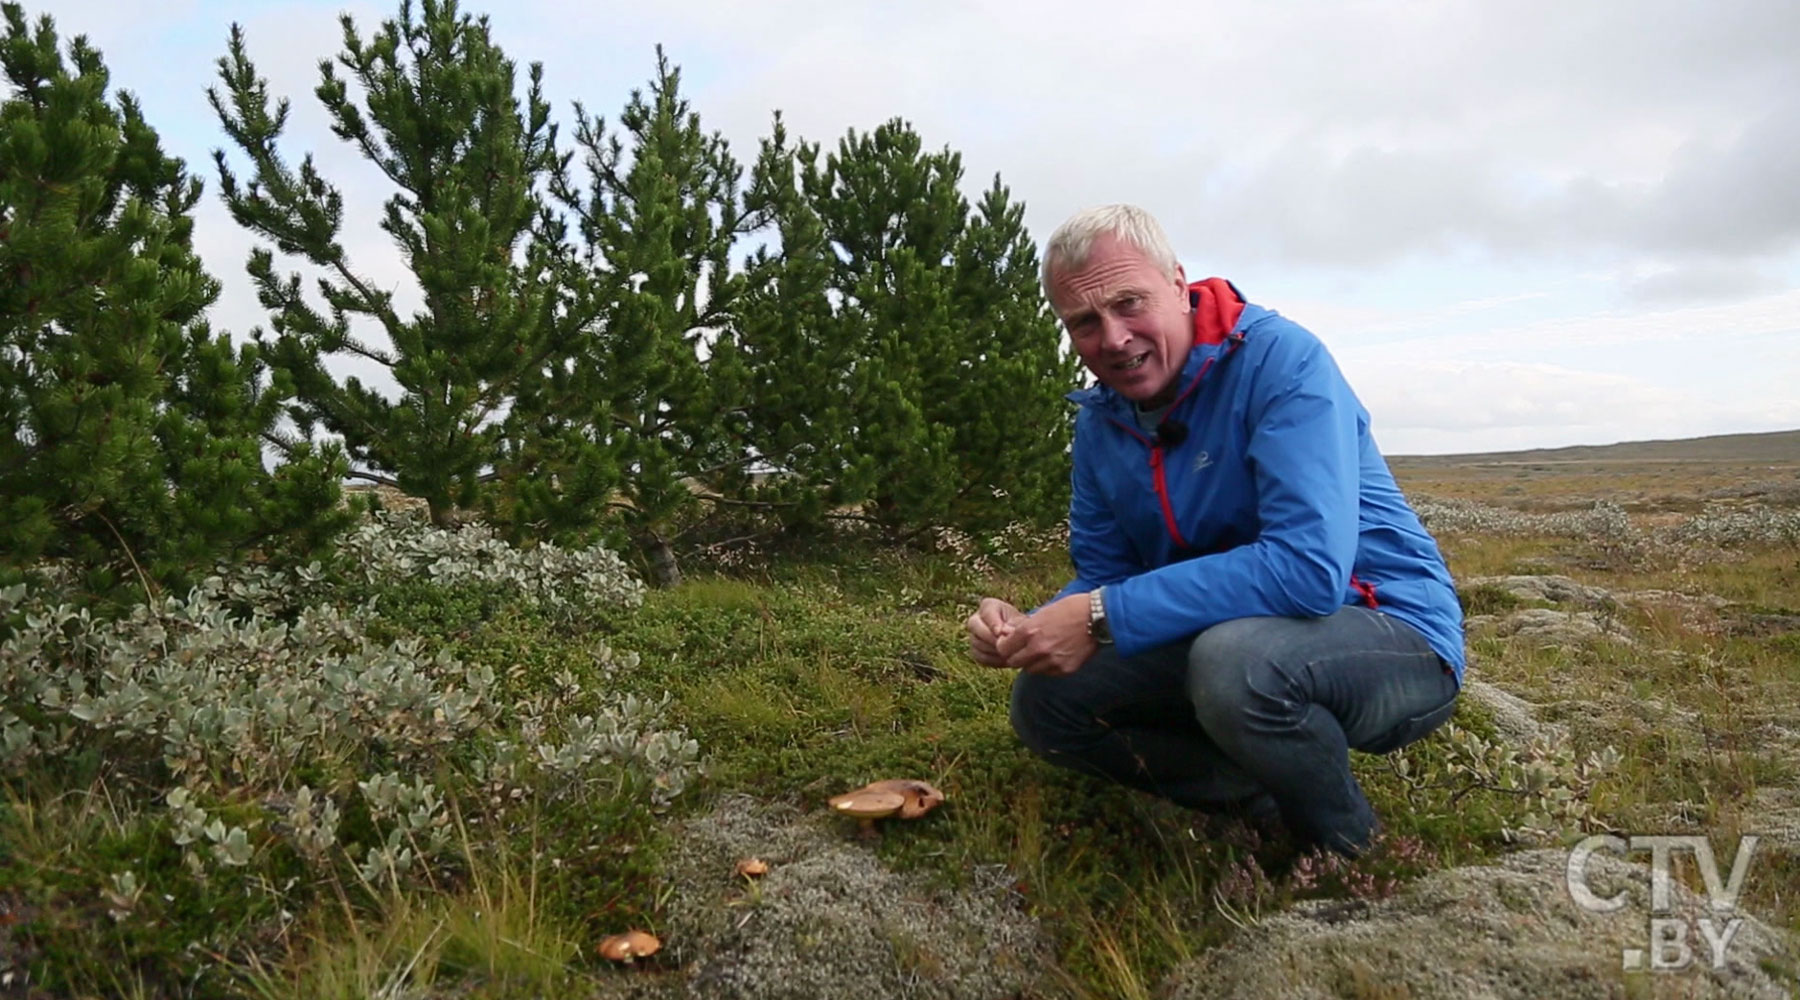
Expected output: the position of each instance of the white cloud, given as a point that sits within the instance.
(1643, 149)
(1426, 407)
(1712, 328)
(1340, 133)
(1700, 281)
(1472, 396)
(1618, 376)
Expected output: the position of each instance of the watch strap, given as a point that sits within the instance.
(1097, 624)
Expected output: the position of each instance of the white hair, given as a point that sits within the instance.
(1070, 245)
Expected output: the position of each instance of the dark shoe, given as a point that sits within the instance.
(1350, 850)
(1253, 824)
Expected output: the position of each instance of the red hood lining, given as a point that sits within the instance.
(1217, 304)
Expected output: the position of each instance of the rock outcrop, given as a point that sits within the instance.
(1551, 589)
(1515, 719)
(1551, 627)
(830, 920)
(1506, 931)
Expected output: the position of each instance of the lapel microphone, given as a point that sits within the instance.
(1170, 433)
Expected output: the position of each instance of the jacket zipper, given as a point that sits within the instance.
(1162, 493)
(1158, 477)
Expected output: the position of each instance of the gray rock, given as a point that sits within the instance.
(1494, 932)
(1549, 627)
(1515, 719)
(1550, 589)
(1774, 812)
(830, 920)
(1711, 602)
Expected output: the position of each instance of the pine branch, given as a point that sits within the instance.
(374, 477)
(378, 306)
(353, 346)
(725, 501)
(722, 466)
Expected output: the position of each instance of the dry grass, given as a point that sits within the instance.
(1703, 695)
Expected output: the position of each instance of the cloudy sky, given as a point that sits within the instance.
(1517, 223)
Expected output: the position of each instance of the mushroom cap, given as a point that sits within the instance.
(753, 867)
(866, 804)
(629, 945)
(921, 796)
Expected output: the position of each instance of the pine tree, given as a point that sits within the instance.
(1012, 421)
(797, 362)
(899, 352)
(129, 432)
(658, 222)
(482, 366)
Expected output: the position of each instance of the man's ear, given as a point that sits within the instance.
(1181, 285)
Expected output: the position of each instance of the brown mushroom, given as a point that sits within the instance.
(867, 806)
(753, 867)
(921, 797)
(629, 946)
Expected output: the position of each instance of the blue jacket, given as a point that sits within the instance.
(1266, 495)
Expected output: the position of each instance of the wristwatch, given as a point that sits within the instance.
(1097, 626)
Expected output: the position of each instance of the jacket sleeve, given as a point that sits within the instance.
(1303, 456)
(1097, 546)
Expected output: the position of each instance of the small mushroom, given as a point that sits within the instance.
(868, 806)
(753, 868)
(629, 946)
(921, 796)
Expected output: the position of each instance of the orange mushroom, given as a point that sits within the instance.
(629, 946)
(921, 796)
(867, 806)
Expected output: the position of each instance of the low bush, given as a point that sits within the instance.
(259, 751)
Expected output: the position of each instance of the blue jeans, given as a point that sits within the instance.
(1249, 711)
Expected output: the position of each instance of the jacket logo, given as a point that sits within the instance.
(1201, 461)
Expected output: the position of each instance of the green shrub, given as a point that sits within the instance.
(259, 753)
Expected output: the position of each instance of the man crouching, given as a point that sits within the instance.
(1253, 597)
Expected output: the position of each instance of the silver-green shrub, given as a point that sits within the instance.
(1729, 526)
(213, 693)
(563, 582)
(1719, 527)
(1548, 784)
(1604, 520)
(224, 694)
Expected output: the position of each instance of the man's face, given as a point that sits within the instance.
(1128, 321)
